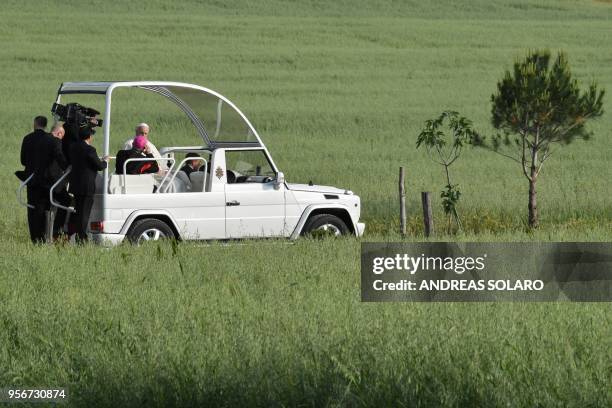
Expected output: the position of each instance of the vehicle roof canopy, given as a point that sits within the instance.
(217, 120)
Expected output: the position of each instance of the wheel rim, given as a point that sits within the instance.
(328, 230)
(152, 234)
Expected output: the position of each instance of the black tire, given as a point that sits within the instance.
(151, 227)
(322, 225)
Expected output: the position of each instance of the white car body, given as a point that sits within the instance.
(215, 209)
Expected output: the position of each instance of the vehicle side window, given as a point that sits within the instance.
(190, 173)
(248, 166)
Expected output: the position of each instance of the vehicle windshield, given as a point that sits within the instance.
(221, 122)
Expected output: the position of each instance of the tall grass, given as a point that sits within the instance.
(228, 325)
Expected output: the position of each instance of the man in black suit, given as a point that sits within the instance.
(85, 166)
(38, 151)
(72, 128)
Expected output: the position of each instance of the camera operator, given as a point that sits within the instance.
(38, 151)
(75, 117)
(85, 166)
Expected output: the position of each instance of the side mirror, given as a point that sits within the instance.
(280, 180)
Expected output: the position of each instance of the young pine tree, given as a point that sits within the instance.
(539, 107)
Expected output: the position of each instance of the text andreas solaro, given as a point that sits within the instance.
(476, 271)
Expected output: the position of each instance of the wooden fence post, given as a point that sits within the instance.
(402, 201)
(427, 213)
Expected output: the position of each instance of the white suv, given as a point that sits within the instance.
(236, 191)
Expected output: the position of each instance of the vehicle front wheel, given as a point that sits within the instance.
(325, 225)
(149, 229)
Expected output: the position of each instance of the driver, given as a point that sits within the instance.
(192, 165)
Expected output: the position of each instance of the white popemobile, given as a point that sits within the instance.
(238, 191)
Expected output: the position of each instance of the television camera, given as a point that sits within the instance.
(76, 114)
(76, 118)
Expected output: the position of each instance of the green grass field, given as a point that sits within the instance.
(338, 91)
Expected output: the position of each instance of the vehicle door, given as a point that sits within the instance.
(255, 207)
(199, 211)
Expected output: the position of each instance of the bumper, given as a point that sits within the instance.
(107, 239)
(360, 229)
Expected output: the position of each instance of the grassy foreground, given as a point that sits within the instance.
(238, 325)
(338, 91)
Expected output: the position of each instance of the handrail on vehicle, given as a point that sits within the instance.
(20, 189)
(59, 180)
(180, 166)
(136, 159)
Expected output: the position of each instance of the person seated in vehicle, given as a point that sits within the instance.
(191, 165)
(138, 151)
(204, 166)
(142, 129)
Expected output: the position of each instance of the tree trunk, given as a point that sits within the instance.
(533, 201)
(533, 178)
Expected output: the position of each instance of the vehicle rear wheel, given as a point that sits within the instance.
(149, 229)
(325, 225)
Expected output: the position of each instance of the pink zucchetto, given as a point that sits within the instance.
(139, 142)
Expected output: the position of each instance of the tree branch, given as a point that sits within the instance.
(534, 157)
(545, 155)
(523, 162)
(432, 158)
(444, 163)
(503, 154)
(569, 128)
